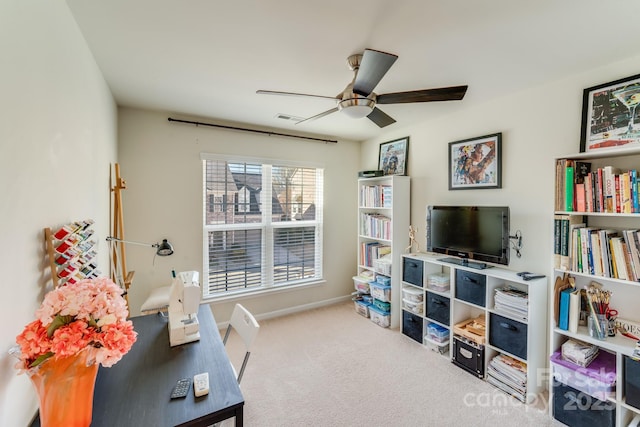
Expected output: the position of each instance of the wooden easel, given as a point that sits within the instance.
(119, 273)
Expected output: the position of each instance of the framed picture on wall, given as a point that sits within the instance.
(392, 158)
(609, 115)
(476, 163)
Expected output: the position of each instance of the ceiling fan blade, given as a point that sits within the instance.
(373, 67)
(273, 92)
(453, 93)
(317, 116)
(380, 118)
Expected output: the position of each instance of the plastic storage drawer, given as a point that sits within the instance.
(437, 333)
(361, 284)
(379, 317)
(412, 294)
(412, 271)
(414, 307)
(597, 380)
(437, 308)
(577, 409)
(471, 287)
(438, 282)
(362, 308)
(380, 292)
(382, 305)
(508, 335)
(438, 347)
(412, 326)
(383, 280)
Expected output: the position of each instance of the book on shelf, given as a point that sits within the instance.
(581, 171)
(562, 241)
(376, 196)
(559, 193)
(581, 201)
(617, 254)
(633, 190)
(569, 184)
(606, 189)
(605, 250)
(609, 188)
(588, 193)
(370, 251)
(633, 252)
(575, 252)
(585, 249)
(599, 191)
(557, 233)
(596, 254)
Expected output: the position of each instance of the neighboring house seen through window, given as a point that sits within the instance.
(262, 224)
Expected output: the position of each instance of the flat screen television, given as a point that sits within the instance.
(469, 234)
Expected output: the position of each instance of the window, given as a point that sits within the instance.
(262, 224)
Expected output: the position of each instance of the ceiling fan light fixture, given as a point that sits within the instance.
(356, 108)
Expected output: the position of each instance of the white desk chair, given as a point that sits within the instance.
(157, 301)
(247, 327)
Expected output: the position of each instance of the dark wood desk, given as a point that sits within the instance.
(136, 391)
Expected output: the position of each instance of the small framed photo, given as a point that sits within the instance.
(392, 159)
(609, 115)
(475, 163)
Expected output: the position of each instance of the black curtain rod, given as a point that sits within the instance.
(252, 130)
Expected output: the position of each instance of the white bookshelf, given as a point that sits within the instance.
(625, 294)
(395, 233)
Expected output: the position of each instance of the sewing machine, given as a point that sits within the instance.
(184, 301)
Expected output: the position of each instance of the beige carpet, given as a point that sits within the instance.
(333, 367)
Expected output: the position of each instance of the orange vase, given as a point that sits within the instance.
(65, 389)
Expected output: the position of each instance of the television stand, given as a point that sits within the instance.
(466, 263)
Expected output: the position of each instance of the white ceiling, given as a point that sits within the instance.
(208, 57)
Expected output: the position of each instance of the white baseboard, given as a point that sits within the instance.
(304, 307)
(294, 309)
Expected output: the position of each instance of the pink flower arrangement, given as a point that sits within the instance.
(91, 313)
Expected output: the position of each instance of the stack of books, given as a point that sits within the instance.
(509, 375)
(579, 353)
(512, 302)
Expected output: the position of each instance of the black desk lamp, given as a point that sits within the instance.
(162, 249)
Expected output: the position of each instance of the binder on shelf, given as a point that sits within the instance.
(563, 315)
(569, 176)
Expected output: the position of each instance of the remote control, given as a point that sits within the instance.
(181, 388)
(201, 384)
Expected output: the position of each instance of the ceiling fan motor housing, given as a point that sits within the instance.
(353, 62)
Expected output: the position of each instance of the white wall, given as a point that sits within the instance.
(57, 139)
(169, 206)
(537, 125)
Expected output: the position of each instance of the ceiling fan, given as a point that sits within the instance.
(358, 100)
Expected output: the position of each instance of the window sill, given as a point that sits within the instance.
(239, 295)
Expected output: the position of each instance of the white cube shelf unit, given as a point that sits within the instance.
(471, 295)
